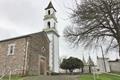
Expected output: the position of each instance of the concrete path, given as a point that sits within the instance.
(57, 77)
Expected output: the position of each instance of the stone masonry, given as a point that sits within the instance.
(31, 55)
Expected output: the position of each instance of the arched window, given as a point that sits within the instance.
(48, 12)
(48, 24)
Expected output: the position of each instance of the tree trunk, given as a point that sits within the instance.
(82, 70)
(71, 71)
(89, 69)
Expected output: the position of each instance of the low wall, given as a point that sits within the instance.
(115, 66)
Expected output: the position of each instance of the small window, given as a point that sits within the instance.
(48, 12)
(48, 24)
(43, 49)
(11, 49)
(54, 24)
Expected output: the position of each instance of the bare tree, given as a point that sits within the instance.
(95, 22)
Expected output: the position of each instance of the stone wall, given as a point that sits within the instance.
(15, 62)
(30, 53)
(38, 47)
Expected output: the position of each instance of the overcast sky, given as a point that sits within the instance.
(21, 17)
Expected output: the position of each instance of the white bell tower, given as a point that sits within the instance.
(50, 24)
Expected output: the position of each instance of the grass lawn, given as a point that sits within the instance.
(82, 77)
(101, 77)
(12, 78)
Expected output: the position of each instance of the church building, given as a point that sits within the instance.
(25, 55)
(33, 54)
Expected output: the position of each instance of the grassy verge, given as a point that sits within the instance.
(101, 77)
(116, 73)
(12, 78)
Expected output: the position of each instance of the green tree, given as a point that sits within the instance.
(63, 65)
(97, 22)
(71, 64)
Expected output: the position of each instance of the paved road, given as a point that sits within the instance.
(57, 77)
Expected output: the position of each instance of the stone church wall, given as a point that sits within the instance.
(38, 47)
(31, 54)
(15, 62)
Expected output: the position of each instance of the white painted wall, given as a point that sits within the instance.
(56, 53)
(100, 65)
(50, 51)
(115, 66)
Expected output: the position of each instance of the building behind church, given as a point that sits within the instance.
(25, 55)
(107, 65)
(114, 65)
(88, 65)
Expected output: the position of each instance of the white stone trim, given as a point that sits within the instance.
(26, 55)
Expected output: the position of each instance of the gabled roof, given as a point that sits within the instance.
(28, 35)
(50, 6)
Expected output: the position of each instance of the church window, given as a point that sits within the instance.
(54, 25)
(48, 12)
(49, 24)
(43, 49)
(11, 49)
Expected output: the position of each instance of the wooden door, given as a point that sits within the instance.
(42, 66)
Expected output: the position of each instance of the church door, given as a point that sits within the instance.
(42, 66)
